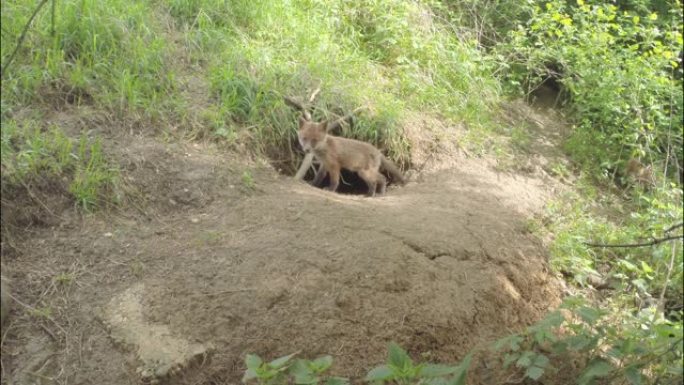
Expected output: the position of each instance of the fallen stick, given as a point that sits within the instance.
(306, 163)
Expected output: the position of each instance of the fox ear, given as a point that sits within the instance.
(324, 126)
(301, 121)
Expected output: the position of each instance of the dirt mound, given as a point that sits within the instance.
(235, 256)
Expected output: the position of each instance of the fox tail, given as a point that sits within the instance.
(392, 169)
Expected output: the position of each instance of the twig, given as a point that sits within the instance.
(678, 225)
(307, 162)
(30, 193)
(224, 292)
(670, 266)
(338, 123)
(655, 241)
(33, 309)
(21, 39)
(295, 104)
(315, 93)
(52, 18)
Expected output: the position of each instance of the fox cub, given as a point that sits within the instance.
(335, 153)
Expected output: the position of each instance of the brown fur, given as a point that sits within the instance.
(636, 172)
(335, 153)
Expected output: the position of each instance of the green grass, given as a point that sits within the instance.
(595, 215)
(103, 53)
(392, 56)
(30, 154)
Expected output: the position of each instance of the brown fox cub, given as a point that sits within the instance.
(335, 153)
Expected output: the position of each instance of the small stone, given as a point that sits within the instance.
(194, 220)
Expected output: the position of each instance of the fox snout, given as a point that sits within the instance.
(306, 144)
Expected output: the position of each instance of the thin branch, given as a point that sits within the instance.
(52, 18)
(297, 105)
(315, 93)
(21, 39)
(678, 225)
(306, 164)
(655, 241)
(670, 266)
(338, 123)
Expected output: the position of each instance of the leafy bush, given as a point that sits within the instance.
(637, 274)
(401, 370)
(621, 68)
(613, 345)
(285, 370)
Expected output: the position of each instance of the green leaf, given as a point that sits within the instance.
(512, 341)
(281, 361)
(321, 364)
(461, 374)
(249, 375)
(337, 381)
(554, 319)
(588, 314)
(508, 360)
(432, 370)
(435, 381)
(598, 367)
(300, 369)
(380, 373)
(398, 357)
(540, 361)
(253, 361)
(534, 372)
(305, 379)
(633, 375)
(646, 268)
(581, 342)
(525, 359)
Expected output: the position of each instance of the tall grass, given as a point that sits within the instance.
(392, 56)
(31, 154)
(104, 53)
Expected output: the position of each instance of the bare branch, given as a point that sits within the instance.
(21, 38)
(306, 163)
(339, 122)
(678, 225)
(314, 94)
(299, 106)
(655, 241)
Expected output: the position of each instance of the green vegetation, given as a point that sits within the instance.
(285, 370)
(612, 344)
(618, 66)
(360, 52)
(399, 370)
(103, 53)
(32, 156)
(620, 70)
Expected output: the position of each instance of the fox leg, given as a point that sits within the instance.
(382, 184)
(370, 180)
(320, 175)
(334, 179)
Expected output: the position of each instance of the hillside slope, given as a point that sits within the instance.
(229, 254)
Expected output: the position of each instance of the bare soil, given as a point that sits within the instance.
(441, 266)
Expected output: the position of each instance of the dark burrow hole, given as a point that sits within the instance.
(350, 182)
(549, 91)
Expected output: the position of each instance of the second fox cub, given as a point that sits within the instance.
(336, 153)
